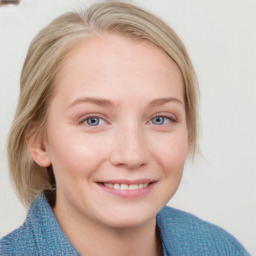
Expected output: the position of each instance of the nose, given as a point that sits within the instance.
(130, 149)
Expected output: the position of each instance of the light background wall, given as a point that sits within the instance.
(220, 186)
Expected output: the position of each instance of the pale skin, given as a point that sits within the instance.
(117, 117)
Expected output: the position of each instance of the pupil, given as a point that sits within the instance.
(158, 120)
(93, 121)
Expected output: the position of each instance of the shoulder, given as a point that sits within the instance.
(19, 242)
(39, 235)
(186, 233)
(23, 240)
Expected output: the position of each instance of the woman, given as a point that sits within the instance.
(107, 116)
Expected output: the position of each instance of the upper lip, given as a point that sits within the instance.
(128, 182)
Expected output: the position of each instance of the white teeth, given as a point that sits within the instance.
(116, 186)
(126, 186)
(133, 187)
(141, 186)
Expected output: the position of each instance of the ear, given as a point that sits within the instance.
(36, 144)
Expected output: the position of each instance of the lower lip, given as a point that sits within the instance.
(128, 193)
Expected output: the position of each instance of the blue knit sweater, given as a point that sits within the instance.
(182, 234)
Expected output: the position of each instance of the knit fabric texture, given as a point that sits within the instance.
(182, 234)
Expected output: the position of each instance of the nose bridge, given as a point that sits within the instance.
(130, 146)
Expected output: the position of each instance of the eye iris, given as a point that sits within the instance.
(158, 120)
(93, 121)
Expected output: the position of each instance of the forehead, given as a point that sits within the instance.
(118, 62)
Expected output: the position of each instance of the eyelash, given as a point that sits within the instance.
(166, 120)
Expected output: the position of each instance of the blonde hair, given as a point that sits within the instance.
(43, 61)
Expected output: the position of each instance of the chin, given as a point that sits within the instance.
(128, 218)
(127, 223)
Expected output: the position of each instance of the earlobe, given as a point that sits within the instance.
(38, 151)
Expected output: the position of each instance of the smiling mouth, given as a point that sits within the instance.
(126, 186)
(128, 189)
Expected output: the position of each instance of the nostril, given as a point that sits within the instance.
(130, 152)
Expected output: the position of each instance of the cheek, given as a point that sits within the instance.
(172, 153)
(76, 155)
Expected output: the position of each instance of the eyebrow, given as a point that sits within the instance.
(108, 103)
(96, 101)
(162, 101)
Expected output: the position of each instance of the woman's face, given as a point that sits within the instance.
(116, 132)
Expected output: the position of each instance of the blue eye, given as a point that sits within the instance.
(160, 120)
(94, 121)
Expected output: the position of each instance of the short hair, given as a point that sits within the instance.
(43, 62)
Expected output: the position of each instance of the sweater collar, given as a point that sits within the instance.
(47, 229)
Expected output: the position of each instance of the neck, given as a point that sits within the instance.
(90, 238)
